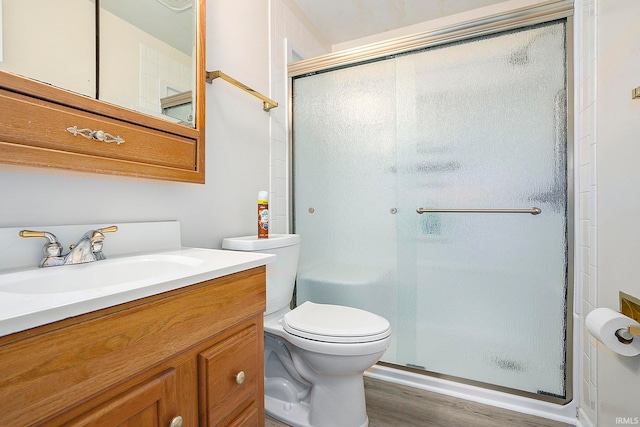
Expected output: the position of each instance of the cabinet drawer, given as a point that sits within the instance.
(229, 378)
(37, 123)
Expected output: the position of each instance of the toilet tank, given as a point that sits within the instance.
(281, 274)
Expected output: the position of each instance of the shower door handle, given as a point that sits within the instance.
(532, 211)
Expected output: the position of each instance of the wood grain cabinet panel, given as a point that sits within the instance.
(143, 362)
(151, 404)
(229, 374)
(44, 124)
(248, 418)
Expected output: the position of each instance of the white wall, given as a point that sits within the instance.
(586, 276)
(290, 32)
(618, 200)
(237, 153)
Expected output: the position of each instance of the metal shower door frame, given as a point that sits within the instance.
(494, 24)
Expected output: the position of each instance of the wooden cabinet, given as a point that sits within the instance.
(153, 403)
(43, 125)
(146, 362)
(229, 374)
(36, 118)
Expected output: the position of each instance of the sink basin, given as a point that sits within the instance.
(37, 296)
(98, 275)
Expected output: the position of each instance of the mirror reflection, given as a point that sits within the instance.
(62, 54)
(143, 58)
(147, 56)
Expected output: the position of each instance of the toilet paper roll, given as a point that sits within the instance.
(603, 323)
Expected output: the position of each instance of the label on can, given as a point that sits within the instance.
(263, 221)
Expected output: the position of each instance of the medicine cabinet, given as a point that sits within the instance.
(104, 86)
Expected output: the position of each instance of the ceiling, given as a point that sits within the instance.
(345, 20)
(338, 21)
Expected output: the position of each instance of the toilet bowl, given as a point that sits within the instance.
(315, 354)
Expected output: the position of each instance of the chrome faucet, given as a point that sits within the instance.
(88, 248)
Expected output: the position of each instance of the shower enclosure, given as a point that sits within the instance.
(431, 187)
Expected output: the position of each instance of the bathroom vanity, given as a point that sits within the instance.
(195, 353)
(179, 344)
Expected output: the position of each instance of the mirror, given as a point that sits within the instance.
(156, 39)
(64, 57)
(101, 86)
(139, 55)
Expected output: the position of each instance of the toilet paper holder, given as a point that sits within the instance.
(630, 307)
(625, 336)
(612, 329)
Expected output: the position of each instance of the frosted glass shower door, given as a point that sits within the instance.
(345, 187)
(482, 125)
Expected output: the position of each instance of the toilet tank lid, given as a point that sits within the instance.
(252, 243)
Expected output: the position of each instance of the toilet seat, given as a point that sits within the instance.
(335, 324)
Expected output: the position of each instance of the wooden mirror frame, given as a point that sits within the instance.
(38, 119)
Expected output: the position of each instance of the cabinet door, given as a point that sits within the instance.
(248, 418)
(229, 380)
(152, 403)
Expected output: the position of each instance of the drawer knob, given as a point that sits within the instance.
(240, 377)
(176, 422)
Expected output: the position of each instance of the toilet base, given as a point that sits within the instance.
(293, 414)
(311, 383)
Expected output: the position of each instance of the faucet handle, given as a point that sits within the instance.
(30, 233)
(111, 229)
(97, 238)
(51, 250)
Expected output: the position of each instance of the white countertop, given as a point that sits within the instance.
(26, 305)
(32, 296)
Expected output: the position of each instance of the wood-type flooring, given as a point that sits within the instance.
(393, 405)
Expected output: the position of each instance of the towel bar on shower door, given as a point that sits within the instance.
(532, 211)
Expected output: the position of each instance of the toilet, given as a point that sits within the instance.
(315, 355)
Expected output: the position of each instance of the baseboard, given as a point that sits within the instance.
(562, 413)
(583, 419)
